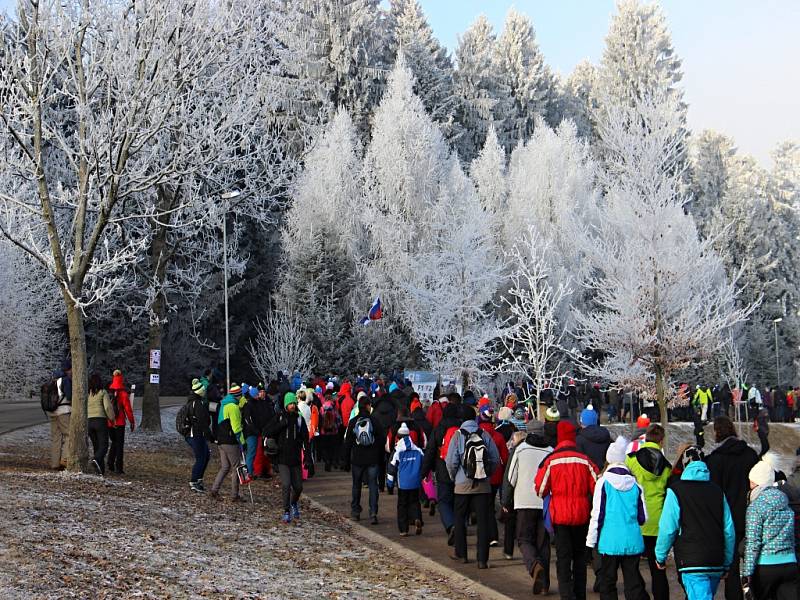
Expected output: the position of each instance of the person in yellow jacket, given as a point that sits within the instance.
(701, 400)
(231, 442)
(652, 472)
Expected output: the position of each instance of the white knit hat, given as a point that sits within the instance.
(762, 473)
(403, 430)
(616, 451)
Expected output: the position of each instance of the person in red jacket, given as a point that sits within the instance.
(485, 418)
(122, 408)
(568, 477)
(346, 402)
(436, 410)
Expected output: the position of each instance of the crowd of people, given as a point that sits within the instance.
(560, 483)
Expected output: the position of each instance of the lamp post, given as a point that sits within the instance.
(226, 196)
(777, 360)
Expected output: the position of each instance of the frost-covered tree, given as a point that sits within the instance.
(279, 346)
(579, 98)
(525, 79)
(31, 324)
(663, 299)
(428, 61)
(447, 299)
(710, 158)
(477, 87)
(488, 174)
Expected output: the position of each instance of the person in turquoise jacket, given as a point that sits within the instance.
(618, 512)
(696, 520)
(770, 566)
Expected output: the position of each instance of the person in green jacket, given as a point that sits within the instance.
(231, 440)
(652, 472)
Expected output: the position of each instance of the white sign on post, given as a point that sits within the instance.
(155, 359)
(424, 383)
(155, 378)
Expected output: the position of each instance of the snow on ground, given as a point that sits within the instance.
(145, 535)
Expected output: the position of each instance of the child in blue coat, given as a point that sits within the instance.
(404, 470)
(618, 512)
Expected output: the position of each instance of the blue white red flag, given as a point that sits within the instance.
(375, 312)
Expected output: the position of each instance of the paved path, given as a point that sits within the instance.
(15, 415)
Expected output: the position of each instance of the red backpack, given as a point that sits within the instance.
(446, 442)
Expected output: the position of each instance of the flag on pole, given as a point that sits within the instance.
(375, 312)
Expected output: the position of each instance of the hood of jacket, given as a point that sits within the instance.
(732, 446)
(470, 426)
(595, 434)
(405, 443)
(536, 440)
(651, 459)
(117, 382)
(696, 471)
(773, 499)
(346, 389)
(619, 477)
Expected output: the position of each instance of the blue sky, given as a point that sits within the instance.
(741, 58)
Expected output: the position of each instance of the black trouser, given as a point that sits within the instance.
(463, 505)
(326, 447)
(98, 433)
(408, 508)
(509, 532)
(291, 485)
(775, 582)
(494, 534)
(571, 560)
(660, 583)
(762, 437)
(633, 582)
(733, 585)
(533, 540)
(117, 448)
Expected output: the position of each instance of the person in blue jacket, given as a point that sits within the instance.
(697, 521)
(618, 512)
(404, 470)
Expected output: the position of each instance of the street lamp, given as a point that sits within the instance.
(227, 196)
(777, 361)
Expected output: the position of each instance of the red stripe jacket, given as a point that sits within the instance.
(569, 478)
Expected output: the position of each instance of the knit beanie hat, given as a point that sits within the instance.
(445, 400)
(288, 399)
(392, 387)
(403, 430)
(762, 473)
(235, 390)
(329, 385)
(588, 417)
(361, 394)
(504, 414)
(535, 426)
(642, 422)
(552, 414)
(486, 412)
(484, 400)
(565, 432)
(690, 455)
(253, 392)
(616, 451)
(245, 389)
(198, 388)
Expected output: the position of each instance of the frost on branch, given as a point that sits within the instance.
(279, 346)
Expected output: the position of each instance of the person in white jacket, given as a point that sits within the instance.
(532, 537)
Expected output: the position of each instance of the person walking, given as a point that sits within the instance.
(593, 439)
(531, 535)
(435, 455)
(770, 567)
(230, 440)
(59, 418)
(124, 413)
(729, 464)
(363, 452)
(568, 477)
(290, 431)
(696, 521)
(618, 512)
(99, 412)
(652, 472)
(328, 439)
(199, 434)
(404, 469)
(485, 422)
(761, 425)
(471, 459)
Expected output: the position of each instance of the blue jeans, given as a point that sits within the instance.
(201, 455)
(446, 497)
(250, 456)
(700, 586)
(370, 472)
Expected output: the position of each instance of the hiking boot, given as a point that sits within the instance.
(287, 518)
(417, 527)
(508, 556)
(295, 511)
(483, 565)
(403, 534)
(98, 469)
(493, 543)
(195, 487)
(458, 558)
(355, 517)
(373, 520)
(537, 572)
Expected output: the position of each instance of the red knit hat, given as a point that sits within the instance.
(565, 431)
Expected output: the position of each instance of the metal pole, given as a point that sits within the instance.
(777, 360)
(227, 334)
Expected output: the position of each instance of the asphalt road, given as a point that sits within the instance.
(15, 415)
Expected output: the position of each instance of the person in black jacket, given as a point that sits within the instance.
(384, 411)
(256, 414)
(291, 433)
(593, 439)
(729, 465)
(199, 434)
(364, 452)
(434, 461)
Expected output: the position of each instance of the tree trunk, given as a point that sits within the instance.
(77, 451)
(151, 405)
(661, 394)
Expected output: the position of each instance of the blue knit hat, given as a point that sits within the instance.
(588, 417)
(392, 387)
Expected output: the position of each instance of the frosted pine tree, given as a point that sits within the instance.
(428, 61)
(579, 98)
(522, 73)
(663, 299)
(477, 87)
(488, 174)
(710, 160)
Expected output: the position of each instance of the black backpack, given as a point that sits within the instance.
(183, 420)
(50, 398)
(475, 453)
